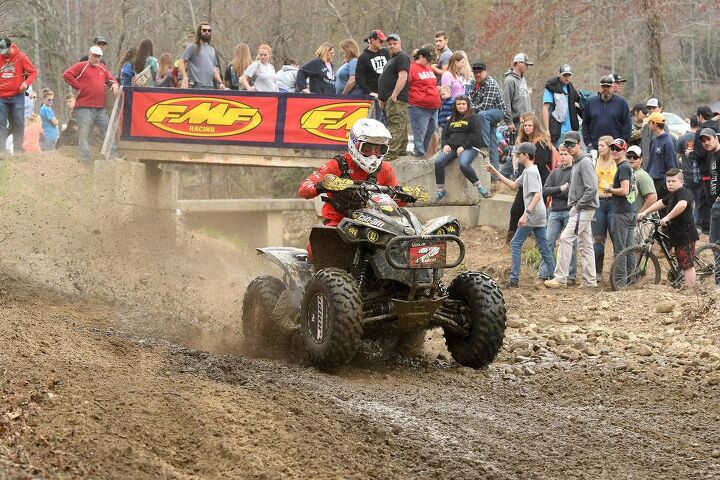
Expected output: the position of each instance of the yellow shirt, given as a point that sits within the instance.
(605, 174)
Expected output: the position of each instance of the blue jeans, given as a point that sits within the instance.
(466, 158)
(12, 111)
(715, 235)
(557, 220)
(488, 125)
(86, 118)
(601, 225)
(423, 122)
(517, 242)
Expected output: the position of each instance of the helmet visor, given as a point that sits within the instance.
(368, 149)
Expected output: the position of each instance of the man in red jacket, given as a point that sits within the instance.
(16, 75)
(89, 78)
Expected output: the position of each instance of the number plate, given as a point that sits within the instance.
(427, 254)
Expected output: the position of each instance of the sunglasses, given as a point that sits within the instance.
(569, 144)
(632, 156)
(208, 30)
(49, 100)
(613, 148)
(705, 139)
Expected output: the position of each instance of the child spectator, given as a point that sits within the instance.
(446, 107)
(286, 76)
(49, 121)
(165, 75)
(126, 69)
(33, 131)
(678, 204)
(534, 219)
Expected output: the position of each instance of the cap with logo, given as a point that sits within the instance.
(617, 78)
(526, 147)
(572, 137)
(95, 50)
(377, 35)
(100, 39)
(607, 80)
(565, 69)
(653, 103)
(522, 58)
(619, 144)
(708, 132)
(479, 67)
(655, 117)
(705, 112)
(394, 36)
(636, 150)
(424, 52)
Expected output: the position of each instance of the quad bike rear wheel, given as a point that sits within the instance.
(331, 318)
(259, 302)
(485, 314)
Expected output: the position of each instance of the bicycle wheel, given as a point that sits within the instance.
(634, 266)
(707, 264)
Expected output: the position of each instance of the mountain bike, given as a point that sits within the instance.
(638, 265)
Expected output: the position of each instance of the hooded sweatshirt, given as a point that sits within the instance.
(15, 68)
(321, 79)
(285, 78)
(516, 95)
(89, 80)
(557, 178)
(583, 191)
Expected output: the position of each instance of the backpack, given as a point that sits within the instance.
(555, 156)
(141, 79)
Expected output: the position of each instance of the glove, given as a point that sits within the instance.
(411, 194)
(333, 183)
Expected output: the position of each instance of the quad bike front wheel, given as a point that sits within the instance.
(259, 302)
(484, 310)
(331, 318)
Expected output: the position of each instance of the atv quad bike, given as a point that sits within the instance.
(378, 273)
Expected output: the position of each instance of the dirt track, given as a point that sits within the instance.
(122, 362)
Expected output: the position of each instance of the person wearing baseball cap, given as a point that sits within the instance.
(646, 187)
(370, 65)
(711, 144)
(516, 94)
(606, 114)
(623, 191)
(100, 42)
(423, 100)
(703, 161)
(661, 154)
(17, 74)
(617, 83)
(561, 103)
(534, 220)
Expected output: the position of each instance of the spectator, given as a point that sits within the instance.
(688, 165)
(678, 218)
(30, 101)
(371, 63)
(653, 105)
(491, 108)
(17, 73)
(318, 75)
(345, 82)
(261, 72)
(98, 41)
(69, 105)
(605, 114)
(605, 168)
(144, 62)
(711, 144)
(646, 195)
(662, 152)
(393, 94)
(424, 101)
(703, 160)
(49, 121)
(235, 69)
(623, 190)
(516, 94)
(443, 53)
(446, 108)
(583, 200)
(459, 140)
(198, 66)
(561, 105)
(534, 219)
(89, 79)
(453, 77)
(466, 72)
(617, 83)
(165, 76)
(556, 187)
(637, 117)
(287, 75)
(126, 72)
(33, 131)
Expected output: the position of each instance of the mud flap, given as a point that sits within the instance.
(293, 262)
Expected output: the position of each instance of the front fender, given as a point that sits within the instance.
(293, 262)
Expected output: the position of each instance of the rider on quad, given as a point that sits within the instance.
(368, 143)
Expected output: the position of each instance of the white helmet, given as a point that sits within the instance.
(368, 143)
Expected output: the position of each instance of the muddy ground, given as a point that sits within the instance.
(120, 358)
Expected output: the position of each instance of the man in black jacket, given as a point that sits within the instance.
(702, 159)
(561, 105)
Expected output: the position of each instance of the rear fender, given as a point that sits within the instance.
(293, 262)
(446, 224)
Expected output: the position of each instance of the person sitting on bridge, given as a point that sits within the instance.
(368, 142)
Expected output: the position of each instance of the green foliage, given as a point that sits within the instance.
(531, 257)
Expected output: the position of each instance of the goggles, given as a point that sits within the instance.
(369, 149)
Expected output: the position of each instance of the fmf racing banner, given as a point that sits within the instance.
(289, 120)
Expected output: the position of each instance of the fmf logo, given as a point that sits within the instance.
(203, 116)
(334, 121)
